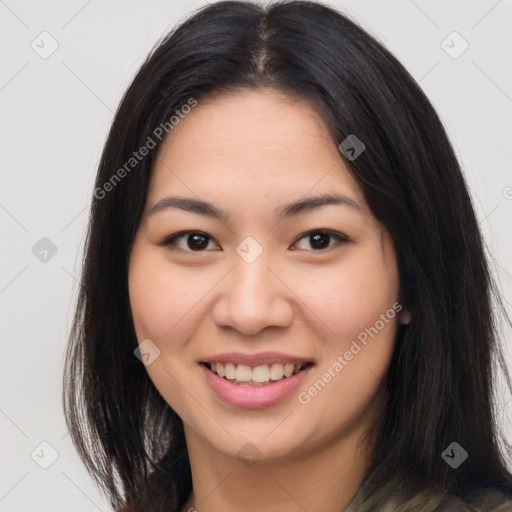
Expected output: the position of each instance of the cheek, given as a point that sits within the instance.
(153, 309)
(351, 296)
(358, 305)
(166, 304)
(165, 301)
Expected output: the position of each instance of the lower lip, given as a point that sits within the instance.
(253, 397)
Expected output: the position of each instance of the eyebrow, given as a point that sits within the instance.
(294, 209)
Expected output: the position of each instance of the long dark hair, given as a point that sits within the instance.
(440, 381)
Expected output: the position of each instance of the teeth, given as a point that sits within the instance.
(258, 374)
(288, 370)
(261, 373)
(229, 370)
(243, 373)
(219, 368)
(276, 372)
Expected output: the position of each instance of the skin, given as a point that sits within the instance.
(250, 153)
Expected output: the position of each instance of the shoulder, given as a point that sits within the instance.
(490, 500)
(429, 501)
(405, 497)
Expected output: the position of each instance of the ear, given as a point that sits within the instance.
(405, 317)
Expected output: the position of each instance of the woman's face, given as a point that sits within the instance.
(261, 290)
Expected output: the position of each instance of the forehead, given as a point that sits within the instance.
(254, 142)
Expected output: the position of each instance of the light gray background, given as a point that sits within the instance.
(55, 114)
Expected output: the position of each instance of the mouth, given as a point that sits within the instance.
(256, 376)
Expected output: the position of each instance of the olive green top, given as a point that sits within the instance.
(399, 496)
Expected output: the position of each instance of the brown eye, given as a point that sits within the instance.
(195, 241)
(320, 239)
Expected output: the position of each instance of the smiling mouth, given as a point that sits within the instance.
(262, 375)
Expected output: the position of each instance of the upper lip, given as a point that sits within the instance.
(256, 359)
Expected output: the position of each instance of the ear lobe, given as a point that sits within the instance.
(405, 317)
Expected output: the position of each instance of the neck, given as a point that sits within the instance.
(326, 478)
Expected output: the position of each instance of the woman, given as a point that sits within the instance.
(285, 300)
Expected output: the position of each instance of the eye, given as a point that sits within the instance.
(196, 241)
(320, 238)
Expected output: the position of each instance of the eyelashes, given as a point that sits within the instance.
(199, 241)
(171, 240)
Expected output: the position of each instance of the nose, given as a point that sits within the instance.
(253, 297)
